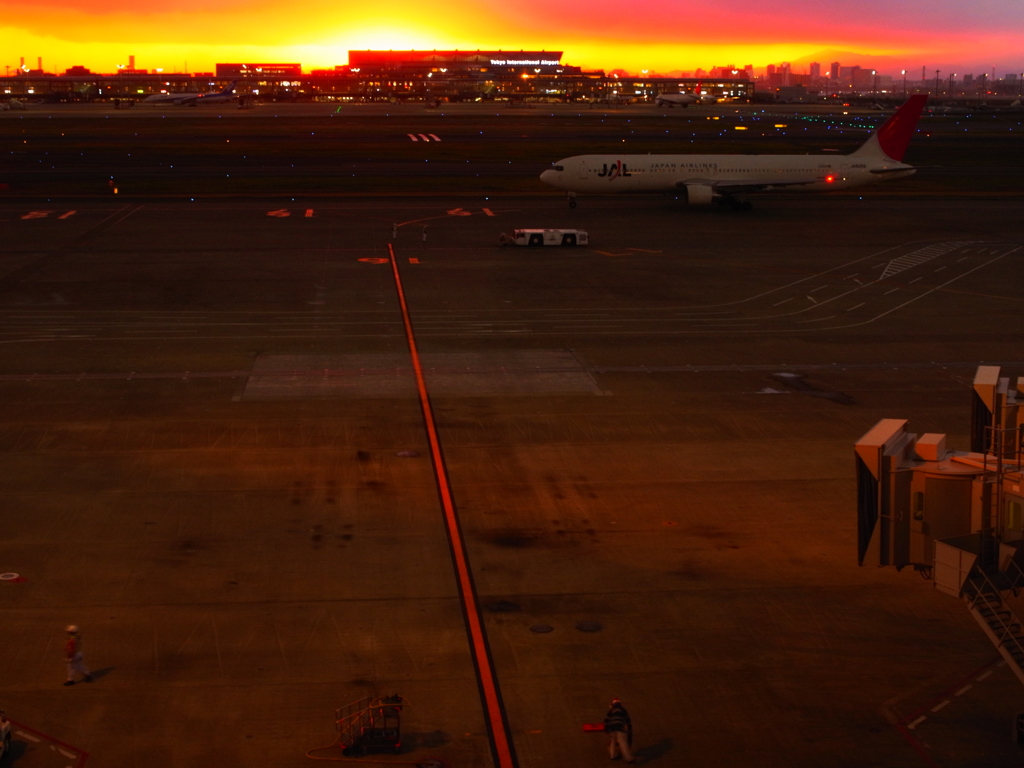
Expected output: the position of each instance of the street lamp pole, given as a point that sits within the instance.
(949, 90)
(936, 83)
(904, 84)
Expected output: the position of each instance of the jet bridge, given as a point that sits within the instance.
(955, 516)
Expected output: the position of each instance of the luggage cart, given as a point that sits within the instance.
(373, 723)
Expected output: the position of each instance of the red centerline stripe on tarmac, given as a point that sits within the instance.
(68, 751)
(494, 709)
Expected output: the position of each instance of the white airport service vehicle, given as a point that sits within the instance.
(537, 237)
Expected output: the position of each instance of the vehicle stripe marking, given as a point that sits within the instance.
(411, 136)
(963, 690)
(497, 725)
(67, 215)
(917, 722)
(940, 705)
(309, 213)
(28, 736)
(433, 136)
(979, 678)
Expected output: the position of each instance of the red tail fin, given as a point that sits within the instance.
(894, 136)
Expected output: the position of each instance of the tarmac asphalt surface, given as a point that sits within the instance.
(215, 458)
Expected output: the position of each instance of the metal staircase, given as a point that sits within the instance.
(987, 606)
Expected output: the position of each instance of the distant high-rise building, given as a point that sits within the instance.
(815, 70)
(769, 70)
(835, 71)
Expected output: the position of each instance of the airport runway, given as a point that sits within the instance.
(217, 460)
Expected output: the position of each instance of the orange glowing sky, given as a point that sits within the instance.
(656, 35)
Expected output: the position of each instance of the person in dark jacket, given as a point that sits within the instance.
(619, 728)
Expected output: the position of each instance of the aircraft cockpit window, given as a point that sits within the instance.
(557, 168)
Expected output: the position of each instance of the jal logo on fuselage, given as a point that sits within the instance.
(614, 171)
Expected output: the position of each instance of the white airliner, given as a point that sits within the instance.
(192, 99)
(676, 99)
(727, 178)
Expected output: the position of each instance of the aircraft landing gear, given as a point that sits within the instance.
(572, 199)
(736, 203)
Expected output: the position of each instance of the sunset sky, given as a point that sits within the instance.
(657, 35)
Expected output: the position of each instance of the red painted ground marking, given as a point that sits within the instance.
(501, 742)
(309, 213)
(374, 259)
(67, 215)
(81, 754)
(413, 260)
(915, 718)
(459, 212)
(433, 136)
(280, 213)
(488, 211)
(423, 136)
(411, 136)
(37, 214)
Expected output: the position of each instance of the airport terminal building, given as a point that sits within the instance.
(427, 76)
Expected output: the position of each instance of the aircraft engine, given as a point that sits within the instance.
(699, 194)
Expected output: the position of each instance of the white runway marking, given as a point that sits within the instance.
(920, 256)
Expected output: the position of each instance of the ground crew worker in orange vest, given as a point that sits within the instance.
(73, 656)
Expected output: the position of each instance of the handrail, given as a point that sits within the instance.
(1016, 576)
(1007, 632)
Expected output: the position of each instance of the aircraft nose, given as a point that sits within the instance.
(551, 176)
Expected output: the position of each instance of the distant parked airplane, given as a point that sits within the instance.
(727, 178)
(683, 99)
(193, 99)
(676, 99)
